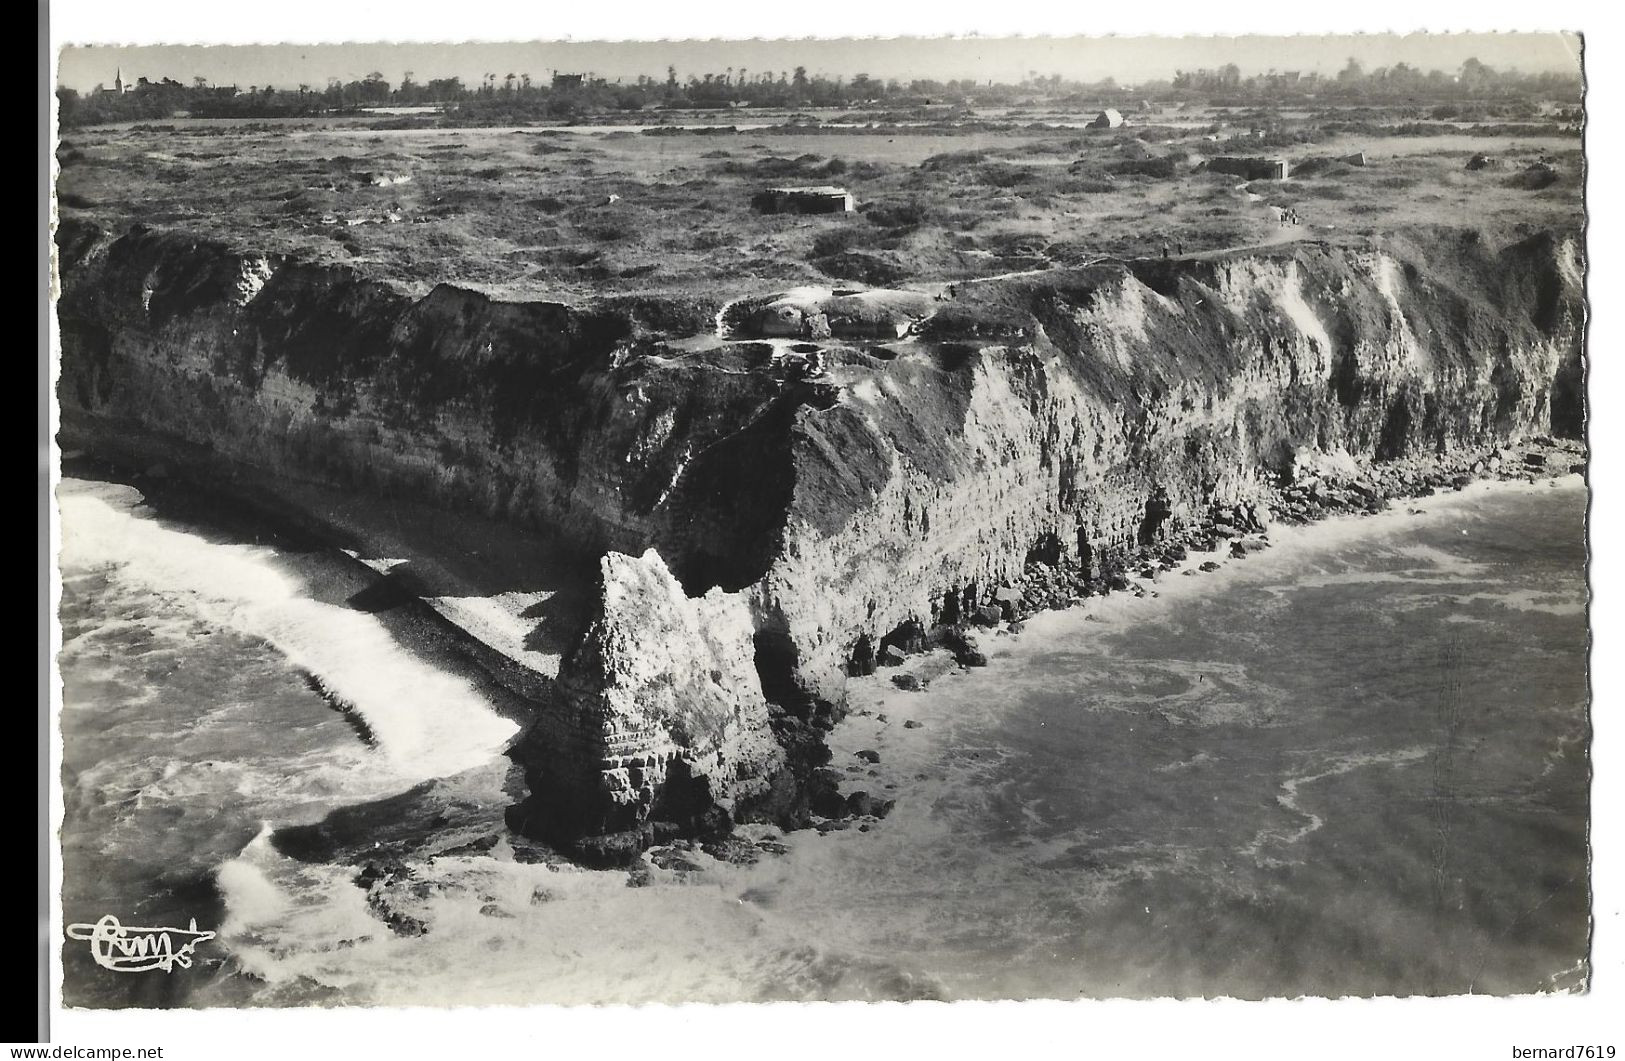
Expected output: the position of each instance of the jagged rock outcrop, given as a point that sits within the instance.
(1068, 416)
(657, 717)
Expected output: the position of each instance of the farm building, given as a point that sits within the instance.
(822, 200)
(1253, 169)
(1107, 119)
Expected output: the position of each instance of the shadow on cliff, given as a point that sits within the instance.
(559, 618)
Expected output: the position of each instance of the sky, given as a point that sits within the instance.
(1006, 59)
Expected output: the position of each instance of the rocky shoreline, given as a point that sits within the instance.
(816, 792)
(836, 801)
(850, 786)
(743, 539)
(1312, 494)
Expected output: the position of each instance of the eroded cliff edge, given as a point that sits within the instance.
(812, 520)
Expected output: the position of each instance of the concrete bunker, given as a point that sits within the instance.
(826, 313)
(1251, 168)
(826, 199)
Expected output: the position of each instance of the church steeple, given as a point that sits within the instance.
(118, 80)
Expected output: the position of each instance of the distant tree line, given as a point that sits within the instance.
(518, 96)
(1474, 80)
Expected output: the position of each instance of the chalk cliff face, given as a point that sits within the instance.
(1067, 415)
(1110, 405)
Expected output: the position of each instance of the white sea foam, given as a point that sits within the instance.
(427, 723)
(1288, 798)
(251, 899)
(504, 932)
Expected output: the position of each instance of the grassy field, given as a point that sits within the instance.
(573, 214)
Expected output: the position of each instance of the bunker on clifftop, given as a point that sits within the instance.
(818, 200)
(822, 313)
(1253, 169)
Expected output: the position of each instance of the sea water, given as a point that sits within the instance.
(1357, 763)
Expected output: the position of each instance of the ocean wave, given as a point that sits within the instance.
(427, 723)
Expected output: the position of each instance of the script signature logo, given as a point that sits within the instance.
(137, 950)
